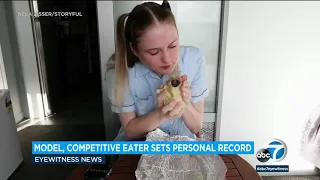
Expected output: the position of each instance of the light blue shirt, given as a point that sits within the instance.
(143, 84)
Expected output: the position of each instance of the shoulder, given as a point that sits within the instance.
(192, 60)
(110, 75)
(190, 55)
(189, 50)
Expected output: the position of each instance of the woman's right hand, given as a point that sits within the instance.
(171, 111)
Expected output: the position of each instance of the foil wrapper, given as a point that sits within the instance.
(179, 167)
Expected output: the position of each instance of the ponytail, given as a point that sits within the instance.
(165, 4)
(121, 62)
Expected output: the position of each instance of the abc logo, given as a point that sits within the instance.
(263, 155)
(275, 150)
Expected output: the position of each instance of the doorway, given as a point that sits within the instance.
(68, 55)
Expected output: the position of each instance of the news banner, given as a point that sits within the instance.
(80, 152)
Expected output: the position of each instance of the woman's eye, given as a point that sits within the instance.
(172, 46)
(154, 53)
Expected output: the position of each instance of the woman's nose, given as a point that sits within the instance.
(166, 57)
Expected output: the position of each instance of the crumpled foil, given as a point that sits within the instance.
(179, 167)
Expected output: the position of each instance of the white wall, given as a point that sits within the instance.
(271, 74)
(204, 21)
(8, 78)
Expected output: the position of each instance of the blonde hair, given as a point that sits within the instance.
(130, 27)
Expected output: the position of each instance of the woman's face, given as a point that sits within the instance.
(158, 48)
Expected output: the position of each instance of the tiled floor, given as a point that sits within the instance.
(83, 106)
(82, 120)
(87, 114)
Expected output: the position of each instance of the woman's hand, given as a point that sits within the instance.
(171, 111)
(185, 89)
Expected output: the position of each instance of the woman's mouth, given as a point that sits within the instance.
(166, 67)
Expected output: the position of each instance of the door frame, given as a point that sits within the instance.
(37, 35)
(3, 78)
(221, 63)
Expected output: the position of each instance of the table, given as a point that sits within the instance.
(238, 169)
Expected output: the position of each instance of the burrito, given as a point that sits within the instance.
(173, 85)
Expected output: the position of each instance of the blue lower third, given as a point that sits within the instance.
(132, 147)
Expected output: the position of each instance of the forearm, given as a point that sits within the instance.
(143, 124)
(192, 118)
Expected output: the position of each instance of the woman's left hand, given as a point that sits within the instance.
(185, 89)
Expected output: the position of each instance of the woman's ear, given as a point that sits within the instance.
(133, 50)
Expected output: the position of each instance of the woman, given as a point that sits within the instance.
(147, 54)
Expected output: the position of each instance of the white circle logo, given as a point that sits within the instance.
(278, 150)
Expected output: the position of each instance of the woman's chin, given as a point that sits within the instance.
(165, 71)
